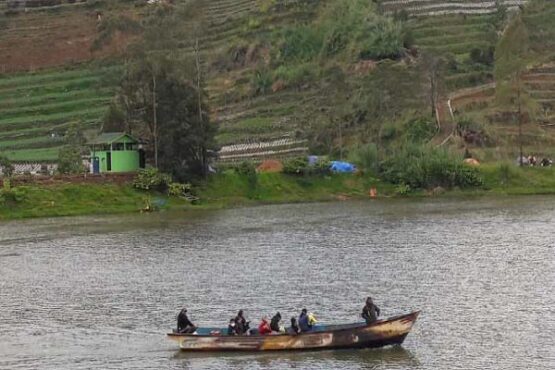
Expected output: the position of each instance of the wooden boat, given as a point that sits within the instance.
(381, 333)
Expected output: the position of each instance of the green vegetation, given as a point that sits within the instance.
(35, 109)
(69, 200)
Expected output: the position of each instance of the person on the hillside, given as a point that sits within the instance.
(184, 325)
(231, 327)
(241, 325)
(274, 323)
(304, 324)
(264, 327)
(370, 311)
(294, 329)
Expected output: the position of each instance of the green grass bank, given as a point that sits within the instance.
(230, 189)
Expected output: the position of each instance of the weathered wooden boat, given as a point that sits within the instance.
(381, 333)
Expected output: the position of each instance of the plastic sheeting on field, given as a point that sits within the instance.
(342, 167)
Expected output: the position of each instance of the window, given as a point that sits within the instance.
(117, 146)
(130, 146)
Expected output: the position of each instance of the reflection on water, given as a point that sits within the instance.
(101, 292)
(395, 357)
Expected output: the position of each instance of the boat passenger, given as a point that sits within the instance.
(264, 327)
(231, 327)
(370, 311)
(241, 325)
(294, 329)
(274, 323)
(304, 324)
(184, 325)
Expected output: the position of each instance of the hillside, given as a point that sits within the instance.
(51, 76)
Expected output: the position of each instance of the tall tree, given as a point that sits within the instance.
(511, 60)
(70, 159)
(162, 96)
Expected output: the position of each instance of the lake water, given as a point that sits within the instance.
(101, 292)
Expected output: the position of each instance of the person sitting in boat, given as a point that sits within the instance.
(370, 311)
(241, 325)
(231, 327)
(304, 323)
(184, 325)
(264, 327)
(274, 323)
(294, 329)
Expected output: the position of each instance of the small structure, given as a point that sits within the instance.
(116, 152)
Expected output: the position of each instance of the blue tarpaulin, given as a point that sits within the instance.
(343, 167)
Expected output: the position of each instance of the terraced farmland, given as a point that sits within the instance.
(35, 109)
(423, 8)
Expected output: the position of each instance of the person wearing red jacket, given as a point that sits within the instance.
(264, 327)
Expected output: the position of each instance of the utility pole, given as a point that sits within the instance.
(199, 98)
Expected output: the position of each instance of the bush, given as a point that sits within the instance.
(261, 81)
(295, 166)
(421, 167)
(151, 179)
(6, 166)
(10, 196)
(365, 157)
(484, 56)
(385, 40)
(248, 169)
(300, 44)
(295, 76)
(176, 189)
(300, 166)
(420, 129)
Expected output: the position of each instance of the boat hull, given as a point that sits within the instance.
(382, 333)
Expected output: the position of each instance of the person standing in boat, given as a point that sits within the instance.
(184, 325)
(274, 323)
(241, 325)
(304, 323)
(370, 311)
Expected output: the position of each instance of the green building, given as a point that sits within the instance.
(116, 152)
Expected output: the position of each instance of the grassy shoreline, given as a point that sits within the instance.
(229, 189)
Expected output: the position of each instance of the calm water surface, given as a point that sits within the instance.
(101, 292)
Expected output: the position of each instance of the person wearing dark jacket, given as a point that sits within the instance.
(370, 311)
(184, 325)
(274, 323)
(241, 325)
(294, 329)
(304, 324)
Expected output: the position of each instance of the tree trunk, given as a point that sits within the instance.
(202, 148)
(154, 120)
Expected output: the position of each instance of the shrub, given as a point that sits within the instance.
(365, 157)
(300, 166)
(261, 81)
(385, 40)
(295, 76)
(151, 179)
(422, 167)
(9, 196)
(248, 169)
(295, 166)
(420, 129)
(300, 44)
(176, 189)
(6, 166)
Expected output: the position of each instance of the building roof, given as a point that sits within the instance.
(110, 137)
